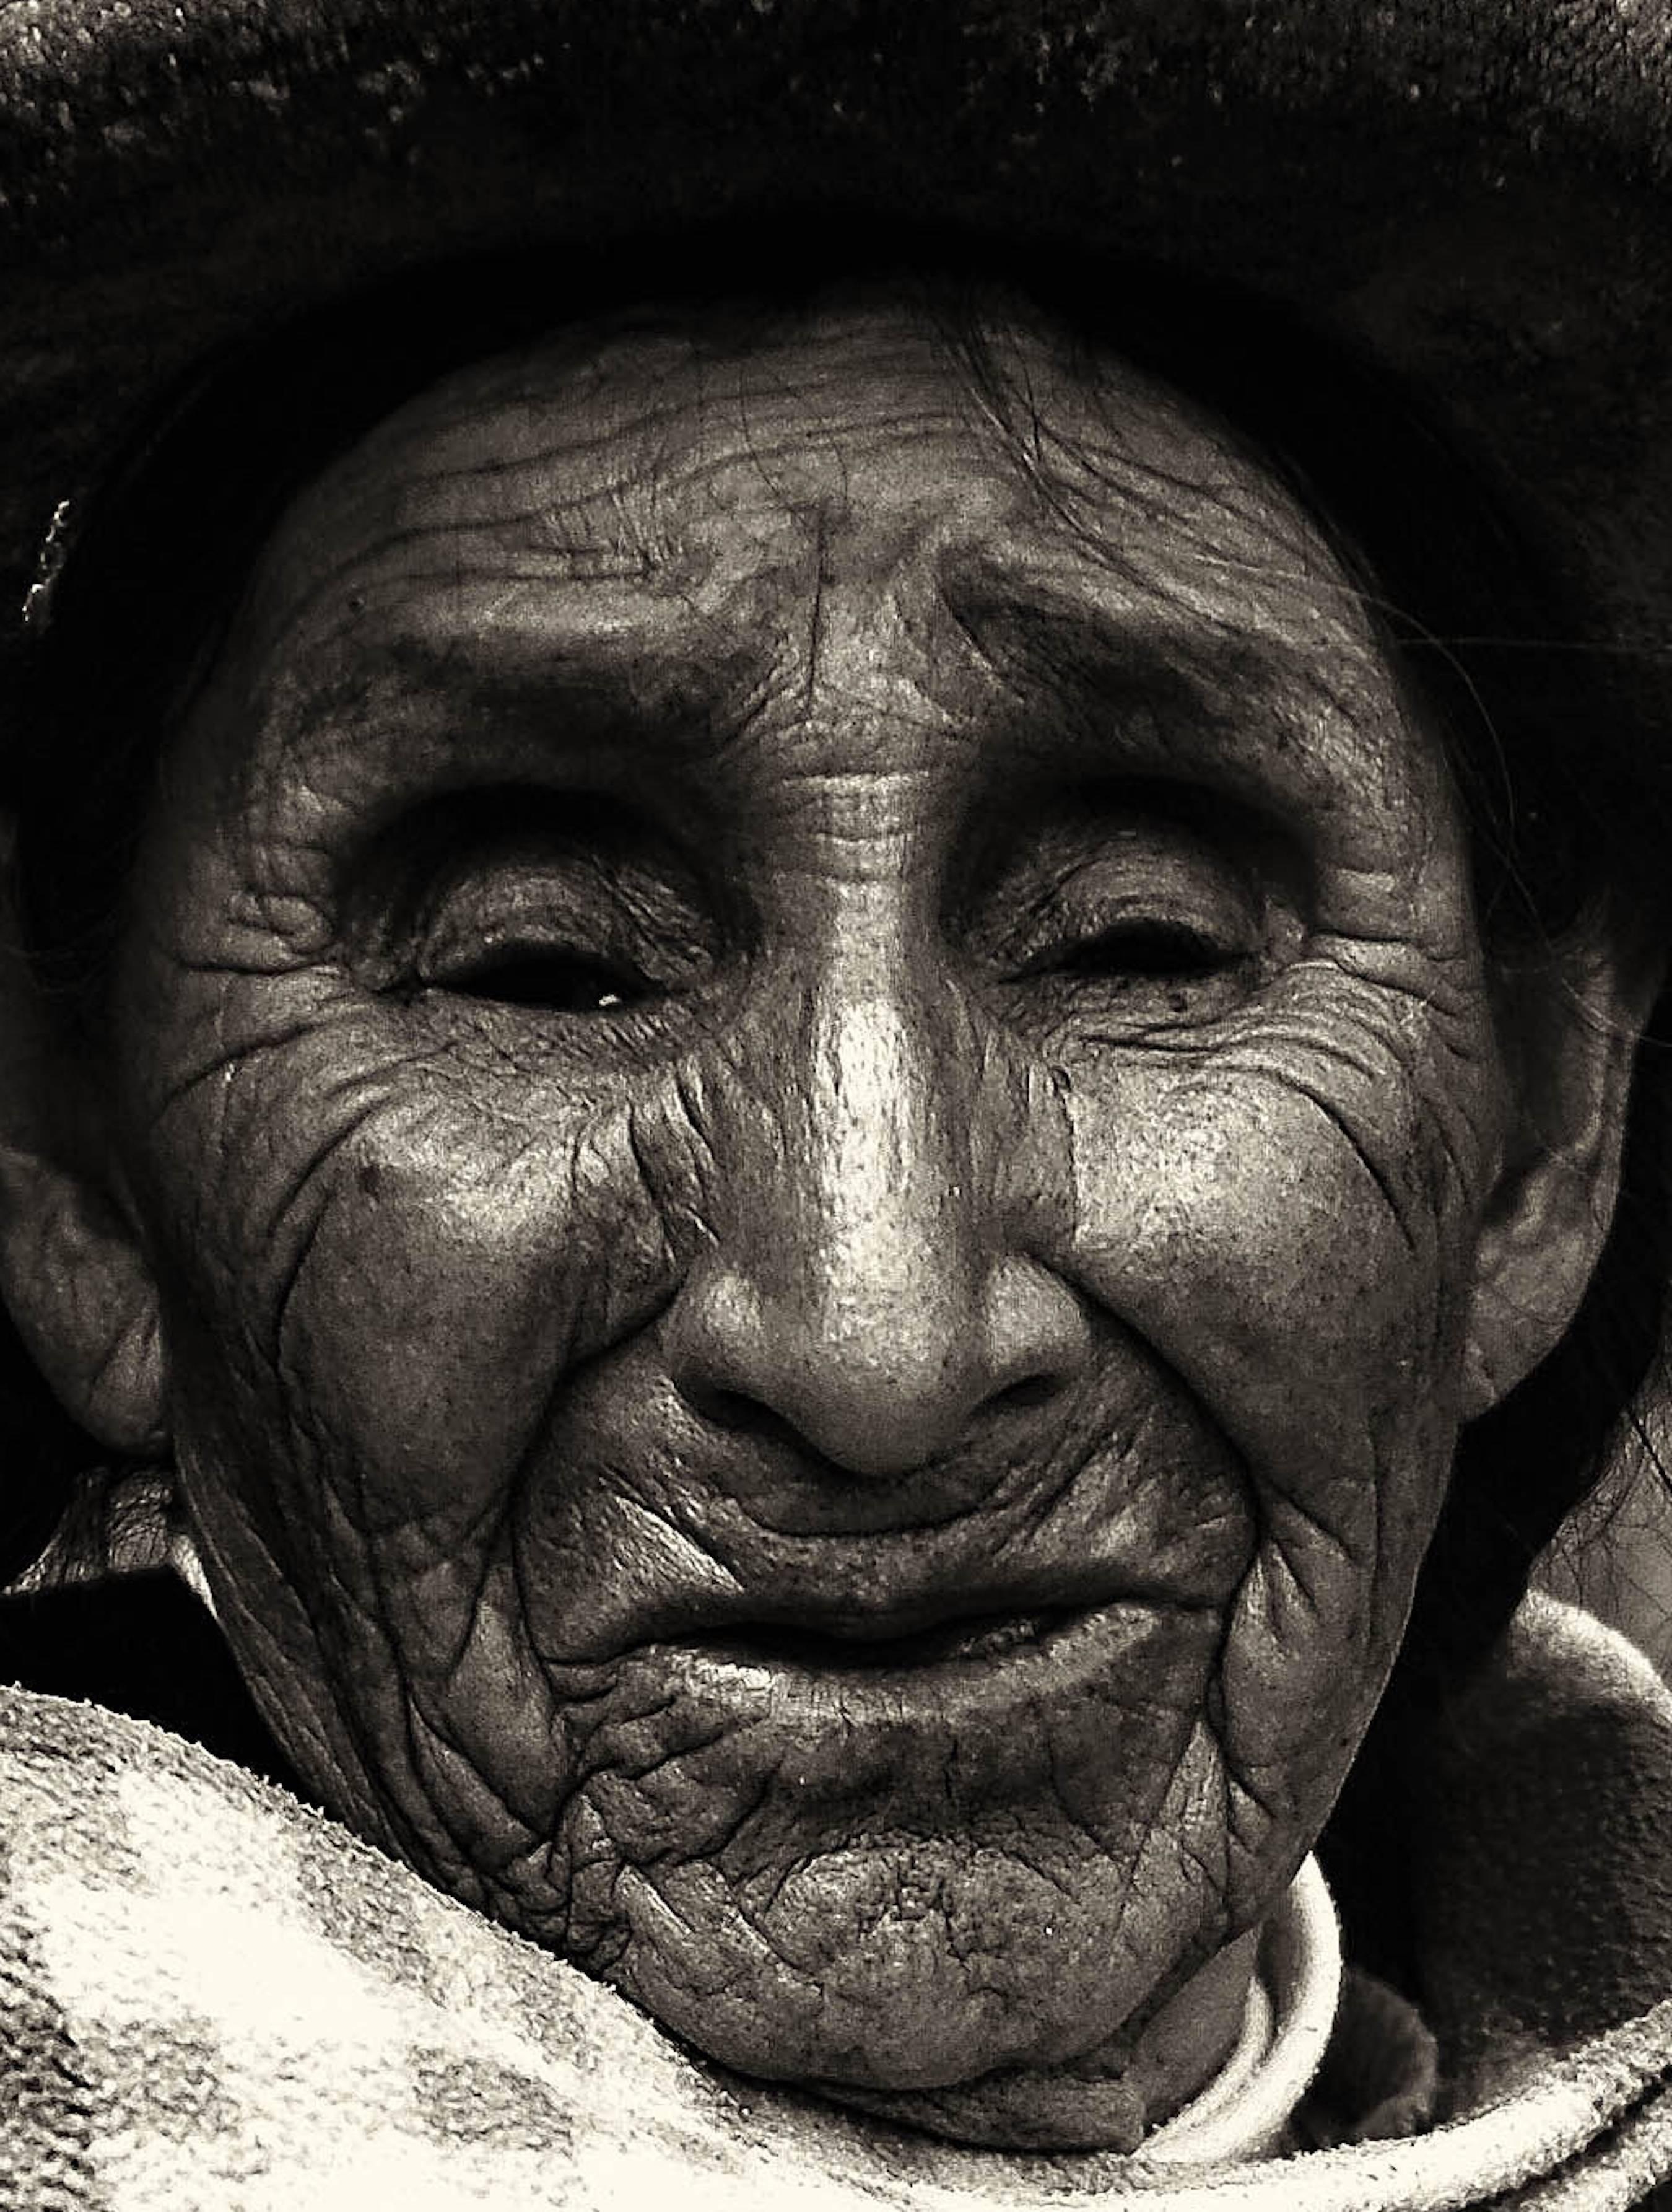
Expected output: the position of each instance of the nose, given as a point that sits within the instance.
(864, 1293)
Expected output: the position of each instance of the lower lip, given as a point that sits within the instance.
(1026, 1656)
(972, 1724)
(821, 1698)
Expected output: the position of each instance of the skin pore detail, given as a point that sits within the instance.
(810, 1081)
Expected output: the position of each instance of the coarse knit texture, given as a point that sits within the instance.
(212, 1997)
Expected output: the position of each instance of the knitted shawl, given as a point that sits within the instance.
(214, 1999)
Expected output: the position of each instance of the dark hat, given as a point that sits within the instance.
(1475, 193)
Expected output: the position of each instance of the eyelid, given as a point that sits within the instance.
(1136, 875)
(483, 915)
(1165, 887)
(465, 873)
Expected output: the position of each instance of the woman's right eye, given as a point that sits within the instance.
(555, 979)
(550, 911)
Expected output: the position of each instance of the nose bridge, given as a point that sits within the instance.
(883, 1248)
(865, 1284)
(849, 1290)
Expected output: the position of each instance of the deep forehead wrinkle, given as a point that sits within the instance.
(591, 415)
(526, 518)
(617, 489)
(602, 461)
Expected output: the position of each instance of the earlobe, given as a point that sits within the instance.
(84, 1302)
(1556, 1199)
(72, 1274)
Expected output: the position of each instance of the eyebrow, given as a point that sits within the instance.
(522, 701)
(1172, 682)
(1190, 688)
(1014, 616)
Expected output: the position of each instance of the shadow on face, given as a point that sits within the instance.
(820, 1167)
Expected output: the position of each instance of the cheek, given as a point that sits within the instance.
(1242, 1236)
(1291, 1224)
(377, 1279)
(411, 1249)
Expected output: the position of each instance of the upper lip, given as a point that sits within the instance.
(832, 1632)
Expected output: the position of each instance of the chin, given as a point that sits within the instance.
(1013, 2108)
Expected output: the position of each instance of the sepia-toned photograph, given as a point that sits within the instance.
(835, 1105)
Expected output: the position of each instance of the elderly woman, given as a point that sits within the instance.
(819, 1065)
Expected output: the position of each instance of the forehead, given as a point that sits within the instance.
(879, 420)
(707, 508)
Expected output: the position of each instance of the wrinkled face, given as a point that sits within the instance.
(813, 1093)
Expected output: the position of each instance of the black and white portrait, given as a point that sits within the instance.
(835, 1118)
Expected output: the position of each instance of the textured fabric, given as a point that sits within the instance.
(1380, 2076)
(1541, 1832)
(212, 1998)
(1249, 2109)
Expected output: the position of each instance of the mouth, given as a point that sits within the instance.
(995, 1708)
(968, 1636)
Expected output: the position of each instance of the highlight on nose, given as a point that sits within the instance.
(882, 1385)
(862, 1292)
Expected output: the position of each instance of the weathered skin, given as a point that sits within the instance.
(759, 1018)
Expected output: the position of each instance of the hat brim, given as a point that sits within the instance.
(1475, 194)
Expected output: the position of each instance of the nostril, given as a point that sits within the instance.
(851, 1371)
(738, 1413)
(741, 1415)
(1021, 1397)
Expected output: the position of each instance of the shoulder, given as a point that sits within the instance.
(1541, 1832)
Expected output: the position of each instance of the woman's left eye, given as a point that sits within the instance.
(1140, 912)
(1143, 947)
(1131, 908)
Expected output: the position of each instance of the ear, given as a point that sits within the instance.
(1576, 1024)
(73, 1272)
